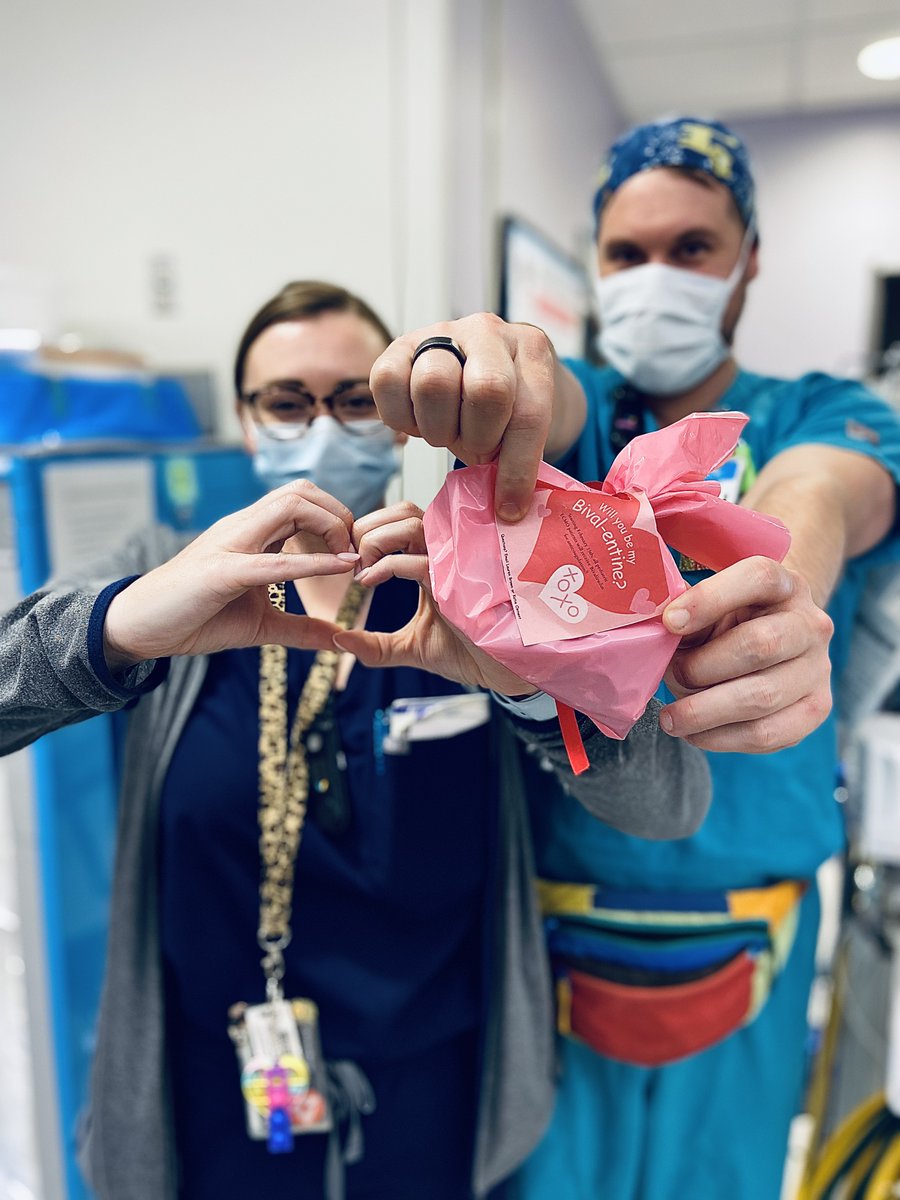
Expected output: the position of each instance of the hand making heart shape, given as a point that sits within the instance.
(391, 542)
(212, 595)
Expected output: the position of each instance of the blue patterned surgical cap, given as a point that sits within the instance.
(681, 142)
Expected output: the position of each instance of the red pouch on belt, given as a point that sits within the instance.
(651, 1026)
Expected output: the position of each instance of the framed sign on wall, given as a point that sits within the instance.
(542, 285)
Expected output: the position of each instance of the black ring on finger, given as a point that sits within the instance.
(440, 343)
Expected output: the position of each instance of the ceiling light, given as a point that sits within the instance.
(880, 60)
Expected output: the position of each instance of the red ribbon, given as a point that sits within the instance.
(568, 723)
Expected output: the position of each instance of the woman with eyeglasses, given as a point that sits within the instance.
(303, 394)
(325, 973)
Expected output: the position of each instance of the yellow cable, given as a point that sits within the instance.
(857, 1174)
(840, 1146)
(887, 1173)
(817, 1093)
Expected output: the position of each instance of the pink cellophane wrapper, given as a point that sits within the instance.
(660, 480)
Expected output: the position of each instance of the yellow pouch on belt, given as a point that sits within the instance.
(651, 977)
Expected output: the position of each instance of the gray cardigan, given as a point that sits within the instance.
(649, 785)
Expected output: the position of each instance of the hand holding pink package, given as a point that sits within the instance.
(570, 597)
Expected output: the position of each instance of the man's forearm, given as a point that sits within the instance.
(815, 517)
(835, 503)
(569, 414)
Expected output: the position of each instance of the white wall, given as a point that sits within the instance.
(557, 117)
(829, 199)
(247, 143)
(372, 142)
(533, 115)
(377, 143)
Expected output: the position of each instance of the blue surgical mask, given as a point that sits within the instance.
(353, 462)
(661, 326)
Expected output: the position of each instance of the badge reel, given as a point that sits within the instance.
(283, 1076)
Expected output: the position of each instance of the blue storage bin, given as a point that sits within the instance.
(36, 407)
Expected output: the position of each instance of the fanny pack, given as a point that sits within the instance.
(651, 977)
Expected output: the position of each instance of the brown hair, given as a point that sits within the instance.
(298, 301)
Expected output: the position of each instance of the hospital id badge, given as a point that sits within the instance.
(283, 1078)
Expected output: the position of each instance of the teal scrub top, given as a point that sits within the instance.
(773, 816)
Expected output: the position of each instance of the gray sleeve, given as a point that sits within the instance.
(650, 785)
(47, 679)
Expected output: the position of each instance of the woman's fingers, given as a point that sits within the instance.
(396, 539)
(403, 513)
(255, 570)
(396, 566)
(297, 632)
(297, 507)
(211, 595)
(375, 649)
(391, 543)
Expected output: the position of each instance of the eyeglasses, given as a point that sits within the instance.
(288, 403)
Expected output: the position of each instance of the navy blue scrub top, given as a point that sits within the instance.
(389, 917)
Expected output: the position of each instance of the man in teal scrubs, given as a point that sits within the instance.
(677, 248)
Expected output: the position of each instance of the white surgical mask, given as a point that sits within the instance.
(353, 462)
(661, 326)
